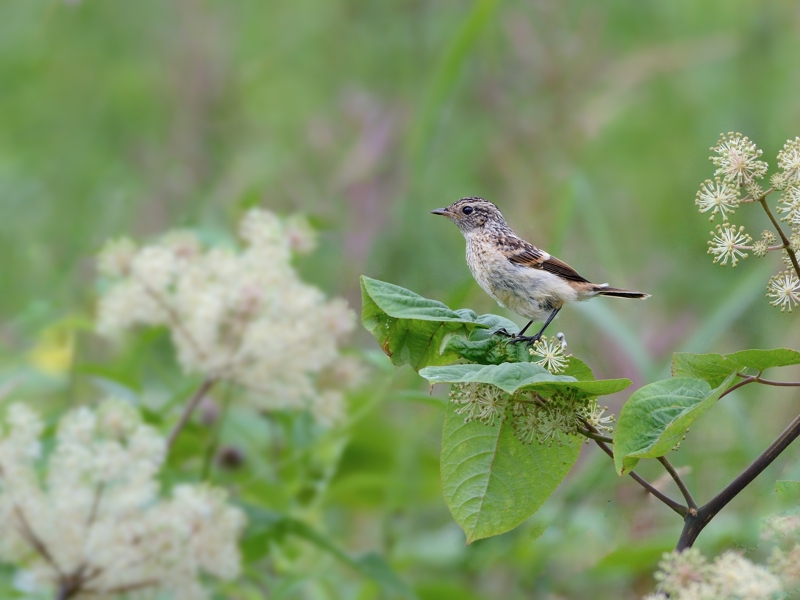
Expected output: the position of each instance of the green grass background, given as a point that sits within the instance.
(587, 123)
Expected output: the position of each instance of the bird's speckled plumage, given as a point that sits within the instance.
(517, 274)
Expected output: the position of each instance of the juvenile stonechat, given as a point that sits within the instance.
(520, 276)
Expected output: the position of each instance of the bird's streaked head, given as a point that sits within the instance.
(472, 213)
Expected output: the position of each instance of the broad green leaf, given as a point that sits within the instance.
(765, 359)
(579, 370)
(401, 303)
(513, 377)
(714, 368)
(491, 481)
(491, 324)
(655, 417)
(409, 328)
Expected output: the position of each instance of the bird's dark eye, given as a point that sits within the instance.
(467, 210)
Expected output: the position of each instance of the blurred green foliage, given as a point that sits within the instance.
(587, 123)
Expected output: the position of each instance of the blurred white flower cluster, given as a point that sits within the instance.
(94, 526)
(688, 575)
(244, 317)
(784, 532)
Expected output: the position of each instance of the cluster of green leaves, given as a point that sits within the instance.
(656, 417)
(490, 480)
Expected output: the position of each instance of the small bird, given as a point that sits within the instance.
(520, 276)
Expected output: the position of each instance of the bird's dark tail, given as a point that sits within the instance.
(605, 290)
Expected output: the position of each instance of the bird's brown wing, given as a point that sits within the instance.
(530, 256)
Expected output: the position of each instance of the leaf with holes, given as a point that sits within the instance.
(409, 328)
(413, 330)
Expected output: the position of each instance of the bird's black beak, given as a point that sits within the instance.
(439, 211)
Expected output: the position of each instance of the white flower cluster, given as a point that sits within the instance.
(729, 243)
(479, 402)
(689, 576)
(738, 167)
(559, 419)
(737, 159)
(96, 526)
(784, 532)
(551, 354)
(547, 421)
(245, 317)
(718, 197)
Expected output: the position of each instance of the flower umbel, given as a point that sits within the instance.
(790, 205)
(736, 159)
(245, 317)
(728, 243)
(760, 248)
(769, 237)
(555, 419)
(98, 527)
(479, 401)
(718, 197)
(784, 289)
(688, 575)
(594, 415)
(551, 354)
(789, 160)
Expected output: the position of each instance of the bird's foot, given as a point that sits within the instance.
(503, 332)
(530, 340)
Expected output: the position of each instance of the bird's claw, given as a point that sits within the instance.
(503, 332)
(530, 340)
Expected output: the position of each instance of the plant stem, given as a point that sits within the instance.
(779, 229)
(745, 381)
(680, 483)
(695, 523)
(189, 409)
(778, 383)
(599, 440)
(596, 436)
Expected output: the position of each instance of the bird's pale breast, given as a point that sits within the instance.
(529, 292)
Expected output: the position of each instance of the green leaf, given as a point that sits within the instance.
(484, 348)
(579, 370)
(655, 417)
(765, 359)
(401, 303)
(491, 481)
(489, 351)
(409, 328)
(513, 377)
(714, 368)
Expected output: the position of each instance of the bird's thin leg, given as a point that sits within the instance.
(504, 332)
(525, 328)
(531, 339)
